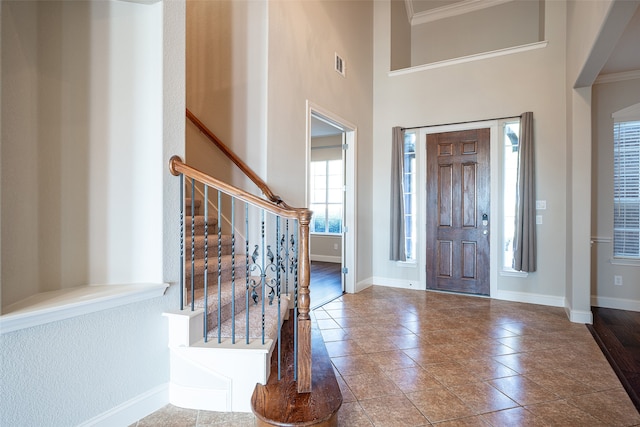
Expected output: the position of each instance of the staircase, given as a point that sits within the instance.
(219, 373)
(223, 349)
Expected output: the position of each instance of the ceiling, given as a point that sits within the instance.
(625, 56)
(321, 128)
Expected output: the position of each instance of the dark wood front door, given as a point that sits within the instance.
(458, 202)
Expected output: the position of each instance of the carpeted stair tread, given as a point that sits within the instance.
(226, 262)
(212, 245)
(255, 321)
(229, 292)
(233, 295)
(196, 206)
(198, 224)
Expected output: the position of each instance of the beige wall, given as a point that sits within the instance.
(303, 38)
(609, 98)
(400, 36)
(506, 25)
(226, 85)
(495, 87)
(89, 367)
(80, 154)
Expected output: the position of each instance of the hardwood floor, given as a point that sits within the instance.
(326, 283)
(617, 332)
(278, 403)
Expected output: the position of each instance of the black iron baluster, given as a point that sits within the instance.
(247, 283)
(278, 266)
(233, 270)
(294, 241)
(182, 283)
(206, 260)
(286, 252)
(263, 272)
(193, 245)
(219, 267)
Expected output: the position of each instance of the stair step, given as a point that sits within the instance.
(212, 246)
(230, 292)
(239, 272)
(196, 206)
(198, 224)
(255, 322)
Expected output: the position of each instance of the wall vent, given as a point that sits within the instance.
(340, 65)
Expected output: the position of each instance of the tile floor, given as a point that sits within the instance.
(413, 358)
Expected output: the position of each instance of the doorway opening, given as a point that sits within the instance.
(330, 195)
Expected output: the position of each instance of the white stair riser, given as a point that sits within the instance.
(217, 379)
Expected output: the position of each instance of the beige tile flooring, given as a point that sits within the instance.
(414, 358)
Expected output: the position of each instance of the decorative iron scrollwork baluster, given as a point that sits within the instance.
(254, 267)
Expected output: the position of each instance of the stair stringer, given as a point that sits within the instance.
(213, 376)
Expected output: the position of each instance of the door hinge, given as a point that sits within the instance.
(345, 146)
(345, 270)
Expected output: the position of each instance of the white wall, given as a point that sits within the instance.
(303, 39)
(496, 87)
(609, 98)
(66, 372)
(593, 31)
(83, 150)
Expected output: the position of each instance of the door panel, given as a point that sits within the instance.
(458, 195)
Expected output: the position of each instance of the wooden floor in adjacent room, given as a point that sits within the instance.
(617, 332)
(326, 282)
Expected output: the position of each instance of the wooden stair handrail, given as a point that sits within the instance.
(235, 159)
(303, 215)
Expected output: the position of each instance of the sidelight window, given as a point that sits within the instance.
(509, 179)
(410, 194)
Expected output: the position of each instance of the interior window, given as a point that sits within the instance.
(626, 189)
(326, 196)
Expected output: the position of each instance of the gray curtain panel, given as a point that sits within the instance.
(396, 226)
(524, 241)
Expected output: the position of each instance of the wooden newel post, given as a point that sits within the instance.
(304, 302)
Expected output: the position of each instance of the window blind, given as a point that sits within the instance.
(626, 206)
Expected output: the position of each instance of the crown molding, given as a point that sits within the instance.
(617, 77)
(455, 9)
(409, 8)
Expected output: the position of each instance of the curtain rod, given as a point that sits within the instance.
(461, 123)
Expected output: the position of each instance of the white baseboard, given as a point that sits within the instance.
(579, 316)
(363, 284)
(617, 303)
(132, 410)
(326, 258)
(524, 297)
(398, 283)
(529, 298)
